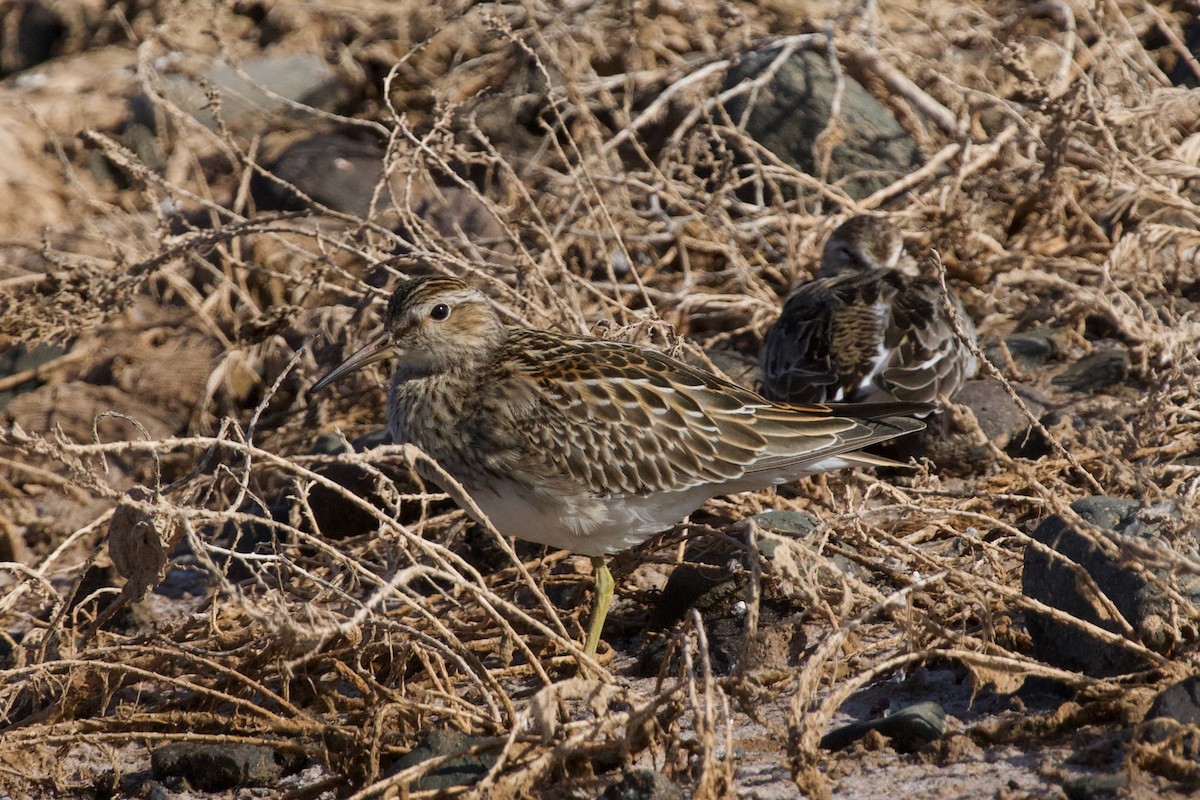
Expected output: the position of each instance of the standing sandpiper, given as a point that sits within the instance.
(864, 331)
(584, 444)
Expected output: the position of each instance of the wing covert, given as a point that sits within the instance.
(798, 363)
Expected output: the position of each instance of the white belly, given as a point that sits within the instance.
(585, 525)
(594, 526)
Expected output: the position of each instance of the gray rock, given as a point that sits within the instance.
(1169, 731)
(792, 110)
(33, 32)
(460, 771)
(1096, 787)
(305, 79)
(6, 648)
(19, 359)
(704, 587)
(154, 790)
(329, 444)
(217, 767)
(909, 728)
(1180, 702)
(644, 784)
(717, 577)
(717, 591)
(1029, 349)
(1145, 606)
(344, 172)
(336, 516)
(952, 446)
(336, 170)
(1096, 371)
(1000, 418)
(741, 369)
(1182, 74)
(779, 526)
(796, 523)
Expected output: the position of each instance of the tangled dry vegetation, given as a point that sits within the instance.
(576, 162)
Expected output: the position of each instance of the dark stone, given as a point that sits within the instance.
(300, 78)
(779, 526)
(38, 35)
(1045, 694)
(1156, 731)
(217, 767)
(1029, 349)
(1180, 702)
(1000, 418)
(376, 438)
(644, 784)
(1096, 787)
(794, 523)
(342, 172)
(338, 517)
(717, 592)
(1141, 603)
(953, 446)
(1182, 74)
(1096, 371)
(334, 169)
(8, 641)
(909, 729)
(330, 444)
(741, 369)
(156, 791)
(19, 359)
(689, 586)
(1171, 730)
(793, 109)
(238, 537)
(461, 771)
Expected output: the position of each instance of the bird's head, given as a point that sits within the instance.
(432, 325)
(861, 243)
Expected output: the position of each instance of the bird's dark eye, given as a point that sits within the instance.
(439, 312)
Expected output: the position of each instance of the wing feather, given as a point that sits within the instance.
(612, 418)
(925, 356)
(797, 363)
(865, 336)
(827, 344)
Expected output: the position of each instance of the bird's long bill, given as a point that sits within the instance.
(375, 350)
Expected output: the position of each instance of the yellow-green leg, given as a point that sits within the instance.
(601, 600)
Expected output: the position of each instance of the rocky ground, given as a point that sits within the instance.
(216, 584)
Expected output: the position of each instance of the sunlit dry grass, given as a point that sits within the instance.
(1060, 188)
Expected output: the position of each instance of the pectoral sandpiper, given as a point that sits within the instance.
(584, 444)
(864, 331)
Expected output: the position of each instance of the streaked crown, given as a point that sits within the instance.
(415, 298)
(438, 323)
